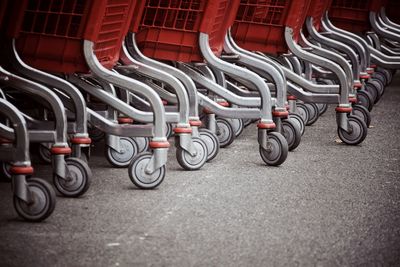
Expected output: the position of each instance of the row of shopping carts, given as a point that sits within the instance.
(134, 73)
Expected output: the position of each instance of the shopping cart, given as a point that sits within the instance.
(89, 36)
(34, 198)
(192, 32)
(284, 22)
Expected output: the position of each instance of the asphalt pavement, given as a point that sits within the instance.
(328, 205)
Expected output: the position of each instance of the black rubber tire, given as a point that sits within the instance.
(95, 134)
(363, 113)
(5, 175)
(44, 154)
(303, 112)
(313, 113)
(211, 141)
(299, 122)
(279, 150)
(322, 108)
(122, 160)
(138, 176)
(358, 134)
(365, 99)
(292, 134)
(192, 163)
(225, 132)
(44, 201)
(78, 183)
(372, 89)
(238, 126)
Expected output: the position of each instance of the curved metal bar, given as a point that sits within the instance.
(33, 88)
(385, 22)
(186, 81)
(380, 29)
(262, 66)
(383, 60)
(71, 91)
(336, 45)
(130, 85)
(323, 62)
(295, 62)
(312, 97)
(174, 83)
(235, 71)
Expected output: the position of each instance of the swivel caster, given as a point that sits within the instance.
(211, 141)
(313, 113)
(189, 162)
(78, 181)
(277, 149)
(365, 99)
(139, 176)
(303, 112)
(322, 108)
(363, 113)
(225, 132)
(299, 122)
(42, 204)
(237, 125)
(357, 131)
(122, 158)
(291, 132)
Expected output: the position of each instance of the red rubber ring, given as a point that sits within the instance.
(207, 111)
(183, 130)
(280, 114)
(125, 120)
(60, 150)
(343, 109)
(165, 102)
(291, 97)
(224, 104)
(81, 140)
(195, 123)
(357, 85)
(21, 170)
(370, 71)
(262, 125)
(154, 144)
(353, 99)
(374, 66)
(365, 76)
(5, 141)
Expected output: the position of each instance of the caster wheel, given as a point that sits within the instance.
(138, 175)
(78, 181)
(364, 99)
(44, 153)
(388, 74)
(169, 130)
(291, 132)
(313, 112)
(322, 108)
(142, 143)
(363, 113)
(299, 121)
(122, 159)
(379, 86)
(247, 122)
(43, 201)
(372, 88)
(380, 76)
(192, 163)
(358, 131)
(95, 134)
(5, 174)
(225, 132)
(302, 110)
(277, 150)
(238, 126)
(211, 141)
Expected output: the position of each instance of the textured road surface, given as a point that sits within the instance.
(327, 205)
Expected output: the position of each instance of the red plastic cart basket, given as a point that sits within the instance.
(353, 15)
(52, 32)
(260, 24)
(317, 9)
(169, 30)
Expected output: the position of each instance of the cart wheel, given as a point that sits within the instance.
(95, 134)
(363, 113)
(43, 201)
(299, 121)
(44, 153)
(291, 132)
(169, 130)
(79, 180)
(122, 159)
(357, 134)
(142, 143)
(277, 150)
(322, 108)
(303, 112)
(189, 162)
(313, 112)
(138, 175)
(378, 86)
(238, 126)
(388, 74)
(5, 174)
(247, 122)
(211, 141)
(381, 86)
(372, 90)
(225, 132)
(381, 77)
(364, 99)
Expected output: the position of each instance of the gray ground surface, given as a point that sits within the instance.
(328, 204)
